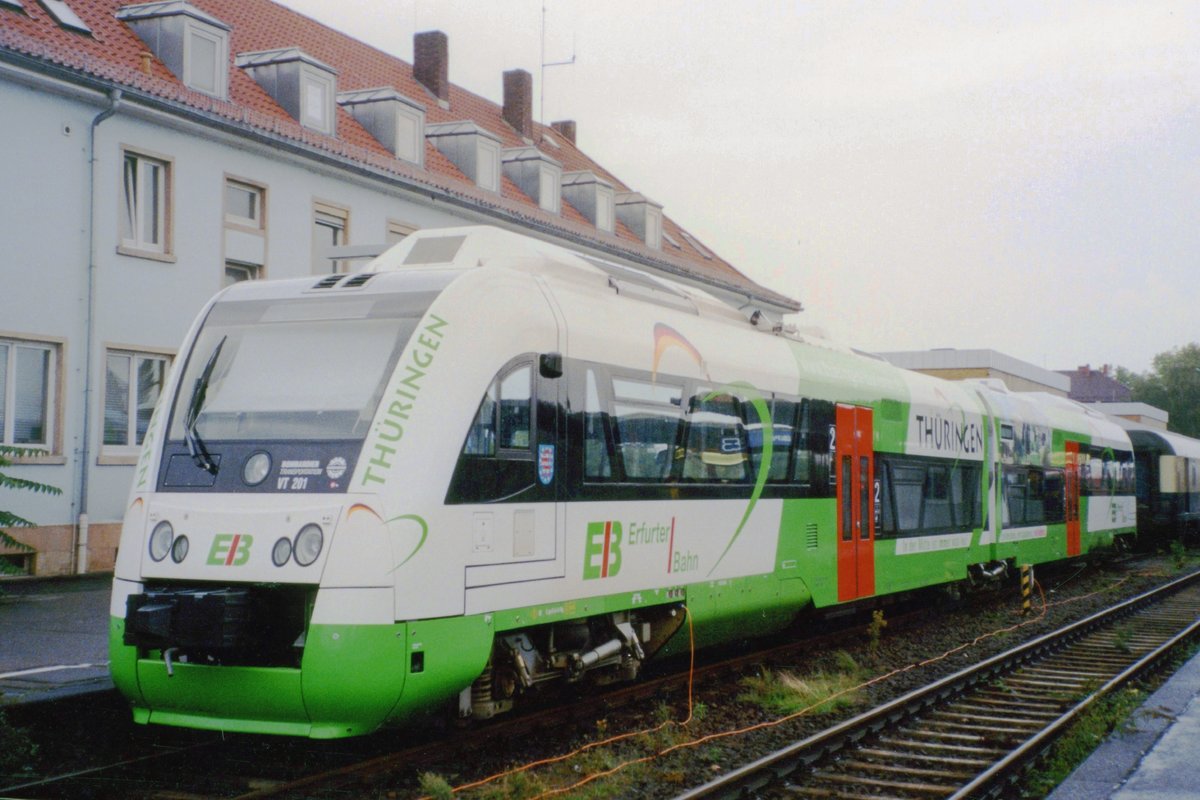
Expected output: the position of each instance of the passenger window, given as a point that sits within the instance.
(937, 513)
(647, 426)
(1053, 505)
(908, 486)
(597, 462)
(783, 418)
(813, 461)
(716, 442)
(783, 425)
(923, 495)
(1014, 495)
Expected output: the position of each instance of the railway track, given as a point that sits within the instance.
(975, 733)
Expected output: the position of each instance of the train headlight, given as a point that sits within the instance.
(256, 469)
(281, 552)
(308, 544)
(179, 549)
(160, 540)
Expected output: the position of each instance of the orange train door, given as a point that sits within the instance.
(855, 465)
(1073, 535)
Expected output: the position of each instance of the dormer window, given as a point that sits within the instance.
(605, 208)
(302, 85)
(591, 196)
(397, 122)
(472, 149)
(535, 174)
(316, 101)
(641, 215)
(191, 43)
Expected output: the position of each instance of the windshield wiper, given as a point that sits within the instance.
(195, 444)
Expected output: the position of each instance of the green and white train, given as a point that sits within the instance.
(485, 463)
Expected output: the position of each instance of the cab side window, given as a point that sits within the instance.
(503, 421)
(514, 417)
(496, 461)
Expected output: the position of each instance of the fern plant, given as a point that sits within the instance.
(8, 519)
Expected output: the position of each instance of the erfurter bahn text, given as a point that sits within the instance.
(485, 463)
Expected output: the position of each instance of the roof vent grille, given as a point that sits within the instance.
(328, 282)
(358, 280)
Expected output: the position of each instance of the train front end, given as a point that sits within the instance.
(252, 589)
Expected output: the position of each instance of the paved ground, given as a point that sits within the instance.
(53, 637)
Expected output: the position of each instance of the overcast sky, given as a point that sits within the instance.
(1020, 176)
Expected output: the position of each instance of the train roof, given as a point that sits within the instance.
(1049, 409)
(1172, 443)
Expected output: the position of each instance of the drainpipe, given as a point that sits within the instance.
(81, 538)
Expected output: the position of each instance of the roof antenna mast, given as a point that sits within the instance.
(542, 76)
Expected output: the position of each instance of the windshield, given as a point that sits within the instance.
(295, 369)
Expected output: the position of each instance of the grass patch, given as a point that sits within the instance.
(1082, 738)
(784, 692)
(435, 786)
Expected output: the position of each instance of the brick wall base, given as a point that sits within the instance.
(54, 544)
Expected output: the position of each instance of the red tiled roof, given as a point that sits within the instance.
(115, 55)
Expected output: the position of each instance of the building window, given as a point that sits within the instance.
(245, 230)
(206, 61)
(132, 385)
(488, 164)
(145, 211)
(28, 393)
(64, 16)
(236, 273)
(330, 230)
(398, 231)
(316, 100)
(243, 204)
(550, 189)
(605, 209)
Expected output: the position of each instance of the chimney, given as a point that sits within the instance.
(565, 128)
(431, 62)
(518, 101)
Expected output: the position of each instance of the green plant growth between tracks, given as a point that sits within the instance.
(823, 691)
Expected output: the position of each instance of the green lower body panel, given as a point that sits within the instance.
(350, 679)
(353, 679)
(740, 608)
(240, 699)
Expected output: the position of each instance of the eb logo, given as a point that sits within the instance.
(230, 549)
(602, 550)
